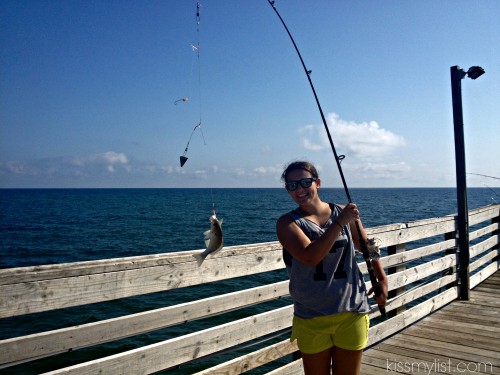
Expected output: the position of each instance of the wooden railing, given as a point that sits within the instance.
(422, 265)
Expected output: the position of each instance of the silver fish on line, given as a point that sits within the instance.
(214, 239)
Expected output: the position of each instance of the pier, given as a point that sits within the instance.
(233, 314)
(462, 337)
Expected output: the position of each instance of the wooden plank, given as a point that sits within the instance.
(169, 353)
(413, 294)
(493, 286)
(470, 308)
(401, 361)
(409, 255)
(485, 299)
(373, 364)
(44, 295)
(485, 292)
(439, 321)
(495, 277)
(399, 322)
(464, 316)
(71, 338)
(436, 347)
(491, 291)
(419, 272)
(252, 360)
(293, 368)
(61, 270)
(483, 231)
(472, 329)
(483, 246)
(412, 231)
(414, 361)
(483, 213)
(398, 233)
(483, 274)
(453, 336)
(490, 282)
(484, 260)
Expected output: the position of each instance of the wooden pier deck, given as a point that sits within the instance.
(462, 337)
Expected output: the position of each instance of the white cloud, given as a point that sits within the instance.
(310, 146)
(267, 170)
(366, 140)
(381, 169)
(63, 167)
(312, 137)
(107, 160)
(265, 149)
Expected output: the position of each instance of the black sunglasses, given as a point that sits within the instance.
(305, 183)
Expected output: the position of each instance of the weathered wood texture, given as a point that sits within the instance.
(462, 337)
(428, 276)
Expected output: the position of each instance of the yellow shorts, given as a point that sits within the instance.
(345, 330)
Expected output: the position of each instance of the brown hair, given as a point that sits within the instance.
(305, 165)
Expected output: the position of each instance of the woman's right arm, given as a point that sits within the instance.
(301, 247)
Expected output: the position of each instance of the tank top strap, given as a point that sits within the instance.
(297, 215)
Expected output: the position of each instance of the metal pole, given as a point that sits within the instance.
(463, 213)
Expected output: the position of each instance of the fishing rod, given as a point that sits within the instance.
(338, 159)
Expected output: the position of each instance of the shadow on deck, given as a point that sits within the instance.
(462, 337)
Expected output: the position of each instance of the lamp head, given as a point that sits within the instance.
(475, 72)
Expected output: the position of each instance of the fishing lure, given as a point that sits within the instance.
(183, 157)
(181, 100)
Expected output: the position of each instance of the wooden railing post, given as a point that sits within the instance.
(452, 270)
(395, 249)
(497, 231)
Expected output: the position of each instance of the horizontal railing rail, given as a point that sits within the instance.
(232, 321)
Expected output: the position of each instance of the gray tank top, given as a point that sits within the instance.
(335, 284)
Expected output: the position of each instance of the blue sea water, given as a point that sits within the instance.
(44, 226)
(68, 225)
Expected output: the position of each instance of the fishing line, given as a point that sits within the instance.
(200, 101)
(494, 192)
(198, 20)
(484, 183)
(364, 248)
(196, 48)
(484, 175)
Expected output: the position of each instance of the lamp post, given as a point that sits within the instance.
(463, 213)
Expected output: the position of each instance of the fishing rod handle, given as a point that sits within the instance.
(373, 279)
(376, 287)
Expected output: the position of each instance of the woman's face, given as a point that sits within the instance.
(301, 195)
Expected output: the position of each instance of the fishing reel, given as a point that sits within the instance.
(373, 248)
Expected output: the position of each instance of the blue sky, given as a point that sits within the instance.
(87, 91)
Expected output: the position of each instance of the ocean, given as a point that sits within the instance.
(46, 226)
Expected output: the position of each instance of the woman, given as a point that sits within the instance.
(330, 301)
